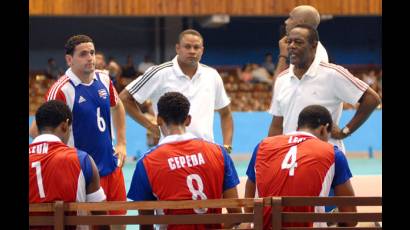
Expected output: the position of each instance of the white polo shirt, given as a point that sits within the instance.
(323, 84)
(205, 92)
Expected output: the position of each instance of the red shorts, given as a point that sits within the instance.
(114, 187)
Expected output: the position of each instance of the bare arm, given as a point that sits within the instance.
(346, 189)
(283, 52)
(118, 115)
(368, 102)
(33, 131)
(249, 192)
(276, 126)
(226, 124)
(132, 107)
(93, 187)
(146, 212)
(232, 193)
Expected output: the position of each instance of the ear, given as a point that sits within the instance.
(64, 126)
(187, 120)
(177, 47)
(68, 59)
(160, 121)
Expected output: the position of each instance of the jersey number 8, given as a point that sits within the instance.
(196, 193)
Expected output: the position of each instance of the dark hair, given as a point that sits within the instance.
(189, 31)
(51, 114)
(314, 116)
(313, 34)
(74, 41)
(173, 107)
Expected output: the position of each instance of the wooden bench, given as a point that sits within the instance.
(278, 216)
(60, 219)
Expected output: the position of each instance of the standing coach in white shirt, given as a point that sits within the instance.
(303, 14)
(310, 81)
(201, 84)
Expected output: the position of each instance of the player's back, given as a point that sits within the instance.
(187, 170)
(54, 174)
(294, 165)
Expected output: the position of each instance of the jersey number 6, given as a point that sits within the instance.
(100, 121)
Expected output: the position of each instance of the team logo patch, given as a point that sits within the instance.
(81, 100)
(103, 93)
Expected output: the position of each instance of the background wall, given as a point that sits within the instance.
(348, 40)
(252, 127)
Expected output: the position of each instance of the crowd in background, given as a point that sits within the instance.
(249, 86)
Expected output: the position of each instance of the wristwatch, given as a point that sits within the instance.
(228, 148)
(346, 131)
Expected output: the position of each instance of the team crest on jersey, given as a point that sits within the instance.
(103, 93)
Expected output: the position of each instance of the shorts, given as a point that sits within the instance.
(114, 187)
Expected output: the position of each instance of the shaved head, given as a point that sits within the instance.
(303, 14)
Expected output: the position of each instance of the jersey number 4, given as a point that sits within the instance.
(291, 155)
(196, 193)
(37, 166)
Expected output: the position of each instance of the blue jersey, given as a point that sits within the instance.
(90, 105)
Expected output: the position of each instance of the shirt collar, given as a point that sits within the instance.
(46, 138)
(300, 133)
(76, 80)
(177, 137)
(311, 72)
(179, 72)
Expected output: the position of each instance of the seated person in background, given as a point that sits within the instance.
(300, 163)
(56, 171)
(114, 71)
(245, 73)
(129, 73)
(52, 70)
(268, 63)
(182, 166)
(145, 64)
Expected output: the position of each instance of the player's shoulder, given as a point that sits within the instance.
(334, 69)
(62, 81)
(160, 69)
(209, 70)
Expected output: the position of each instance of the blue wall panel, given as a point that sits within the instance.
(252, 127)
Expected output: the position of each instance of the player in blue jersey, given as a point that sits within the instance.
(92, 98)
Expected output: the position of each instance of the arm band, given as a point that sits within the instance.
(96, 196)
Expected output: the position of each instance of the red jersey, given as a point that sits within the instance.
(57, 172)
(297, 164)
(184, 168)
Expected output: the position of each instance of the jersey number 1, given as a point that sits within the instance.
(292, 164)
(37, 165)
(196, 193)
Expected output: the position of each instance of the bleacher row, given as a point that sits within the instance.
(244, 96)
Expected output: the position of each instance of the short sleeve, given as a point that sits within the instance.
(113, 95)
(55, 93)
(231, 178)
(144, 86)
(250, 172)
(140, 188)
(221, 98)
(347, 87)
(274, 108)
(342, 170)
(86, 167)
